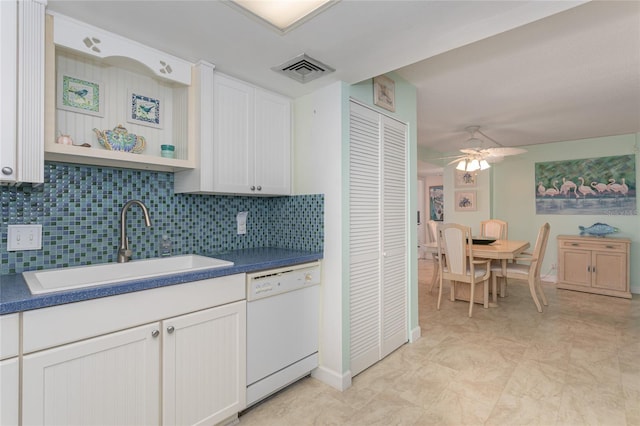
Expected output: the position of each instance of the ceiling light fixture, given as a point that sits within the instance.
(477, 158)
(282, 15)
(472, 165)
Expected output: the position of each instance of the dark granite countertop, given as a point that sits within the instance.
(16, 297)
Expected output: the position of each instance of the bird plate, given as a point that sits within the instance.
(145, 110)
(80, 95)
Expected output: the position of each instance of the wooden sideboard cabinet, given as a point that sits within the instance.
(594, 265)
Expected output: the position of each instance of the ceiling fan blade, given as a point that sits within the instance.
(448, 157)
(494, 159)
(471, 151)
(503, 151)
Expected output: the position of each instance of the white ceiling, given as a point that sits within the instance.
(527, 72)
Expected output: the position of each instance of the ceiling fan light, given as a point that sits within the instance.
(462, 165)
(473, 165)
(484, 165)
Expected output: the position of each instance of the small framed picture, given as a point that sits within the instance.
(465, 201)
(144, 110)
(80, 95)
(465, 179)
(384, 93)
(436, 203)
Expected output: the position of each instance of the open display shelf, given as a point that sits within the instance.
(116, 71)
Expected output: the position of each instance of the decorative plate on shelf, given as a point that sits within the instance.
(119, 139)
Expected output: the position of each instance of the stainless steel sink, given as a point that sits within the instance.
(51, 280)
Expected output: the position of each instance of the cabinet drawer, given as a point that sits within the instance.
(9, 332)
(593, 245)
(57, 325)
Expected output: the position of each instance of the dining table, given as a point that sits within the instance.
(503, 250)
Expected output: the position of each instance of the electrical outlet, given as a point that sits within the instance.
(554, 266)
(24, 237)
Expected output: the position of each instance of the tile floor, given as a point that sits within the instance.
(578, 363)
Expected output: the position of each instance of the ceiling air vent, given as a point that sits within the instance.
(303, 68)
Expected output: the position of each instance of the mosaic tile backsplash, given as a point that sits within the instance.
(79, 209)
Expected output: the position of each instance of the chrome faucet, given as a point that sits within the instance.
(124, 254)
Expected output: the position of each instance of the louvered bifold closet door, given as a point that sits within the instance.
(394, 235)
(364, 242)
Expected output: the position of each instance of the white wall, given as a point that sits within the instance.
(318, 170)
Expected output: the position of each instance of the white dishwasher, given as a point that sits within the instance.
(282, 327)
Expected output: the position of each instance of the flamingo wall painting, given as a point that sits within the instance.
(592, 186)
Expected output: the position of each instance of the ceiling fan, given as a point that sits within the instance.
(477, 158)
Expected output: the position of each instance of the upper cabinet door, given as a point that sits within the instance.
(233, 135)
(272, 143)
(246, 148)
(22, 91)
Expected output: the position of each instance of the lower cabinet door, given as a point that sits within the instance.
(610, 271)
(575, 267)
(108, 380)
(9, 393)
(204, 365)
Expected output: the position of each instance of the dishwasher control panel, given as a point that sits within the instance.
(277, 281)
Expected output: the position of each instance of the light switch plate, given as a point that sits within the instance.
(24, 237)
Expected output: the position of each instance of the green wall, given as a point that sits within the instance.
(512, 187)
(406, 111)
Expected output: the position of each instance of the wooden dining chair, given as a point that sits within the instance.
(530, 271)
(498, 229)
(457, 263)
(494, 228)
(432, 226)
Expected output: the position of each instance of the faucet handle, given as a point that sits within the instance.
(124, 255)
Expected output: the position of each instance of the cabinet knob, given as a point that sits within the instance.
(253, 188)
(7, 170)
(575, 244)
(609, 247)
(259, 188)
(170, 329)
(155, 333)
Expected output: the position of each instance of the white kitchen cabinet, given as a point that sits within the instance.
(246, 148)
(126, 73)
(204, 365)
(22, 91)
(109, 380)
(171, 355)
(9, 391)
(96, 42)
(9, 368)
(9, 335)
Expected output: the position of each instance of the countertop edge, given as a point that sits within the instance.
(16, 296)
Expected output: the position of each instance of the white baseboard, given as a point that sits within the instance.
(416, 333)
(337, 381)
